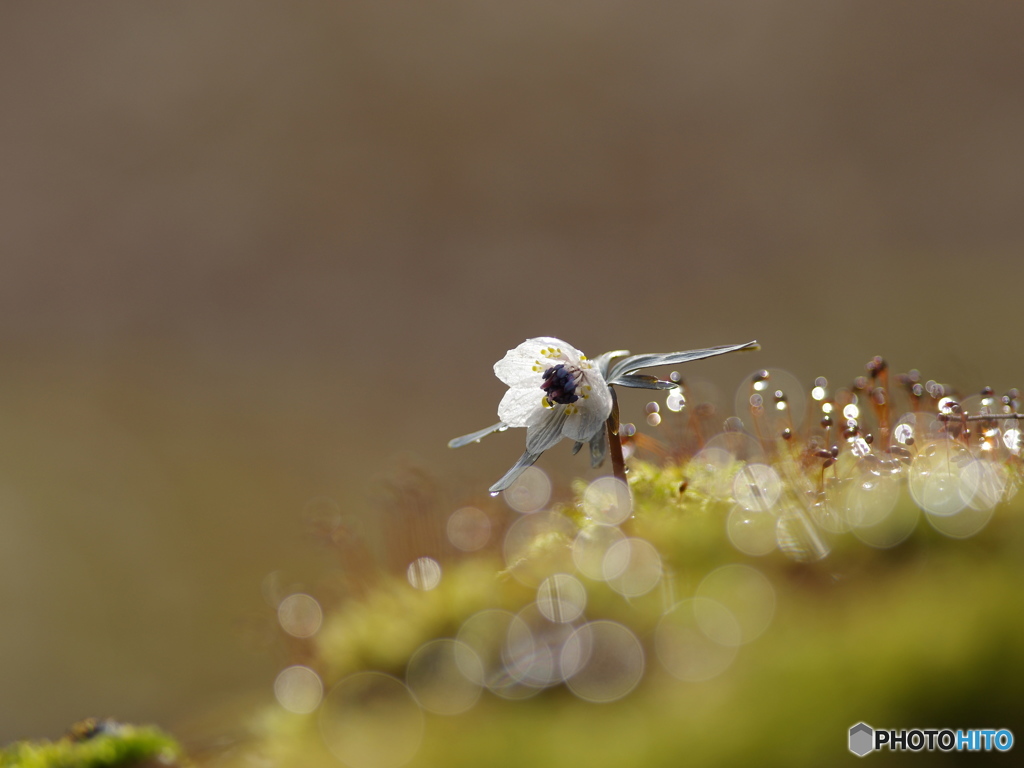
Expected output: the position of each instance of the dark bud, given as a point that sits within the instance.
(827, 463)
(826, 422)
(987, 391)
(683, 486)
(869, 438)
(834, 451)
(787, 433)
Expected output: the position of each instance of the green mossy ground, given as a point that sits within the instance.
(125, 746)
(929, 633)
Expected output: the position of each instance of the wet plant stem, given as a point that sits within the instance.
(614, 442)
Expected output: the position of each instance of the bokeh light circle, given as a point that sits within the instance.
(745, 592)
(371, 720)
(607, 501)
(538, 545)
(435, 676)
(711, 472)
(561, 598)
(424, 573)
(300, 615)
(469, 529)
(757, 487)
(692, 649)
(590, 547)
(870, 499)
(632, 567)
(298, 689)
(607, 661)
(486, 635)
(530, 492)
(752, 533)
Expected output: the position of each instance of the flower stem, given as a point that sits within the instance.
(614, 443)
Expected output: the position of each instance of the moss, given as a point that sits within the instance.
(97, 745)
(922, 634)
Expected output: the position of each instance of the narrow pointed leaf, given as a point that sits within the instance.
(637, 362)
(525, 461)
(641, 381)
(474, 437)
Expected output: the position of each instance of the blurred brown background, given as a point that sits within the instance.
(254, 254)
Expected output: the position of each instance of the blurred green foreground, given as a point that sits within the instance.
(534, 656)
(924, 634)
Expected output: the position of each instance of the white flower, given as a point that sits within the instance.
(555, 392)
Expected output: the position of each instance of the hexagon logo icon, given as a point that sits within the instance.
(862, 738)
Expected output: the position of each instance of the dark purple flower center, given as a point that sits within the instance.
(560, 385)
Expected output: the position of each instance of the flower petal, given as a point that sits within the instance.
(474, 437)
(545, 429)
(590, 413)
(516, 368)
(521, 404)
